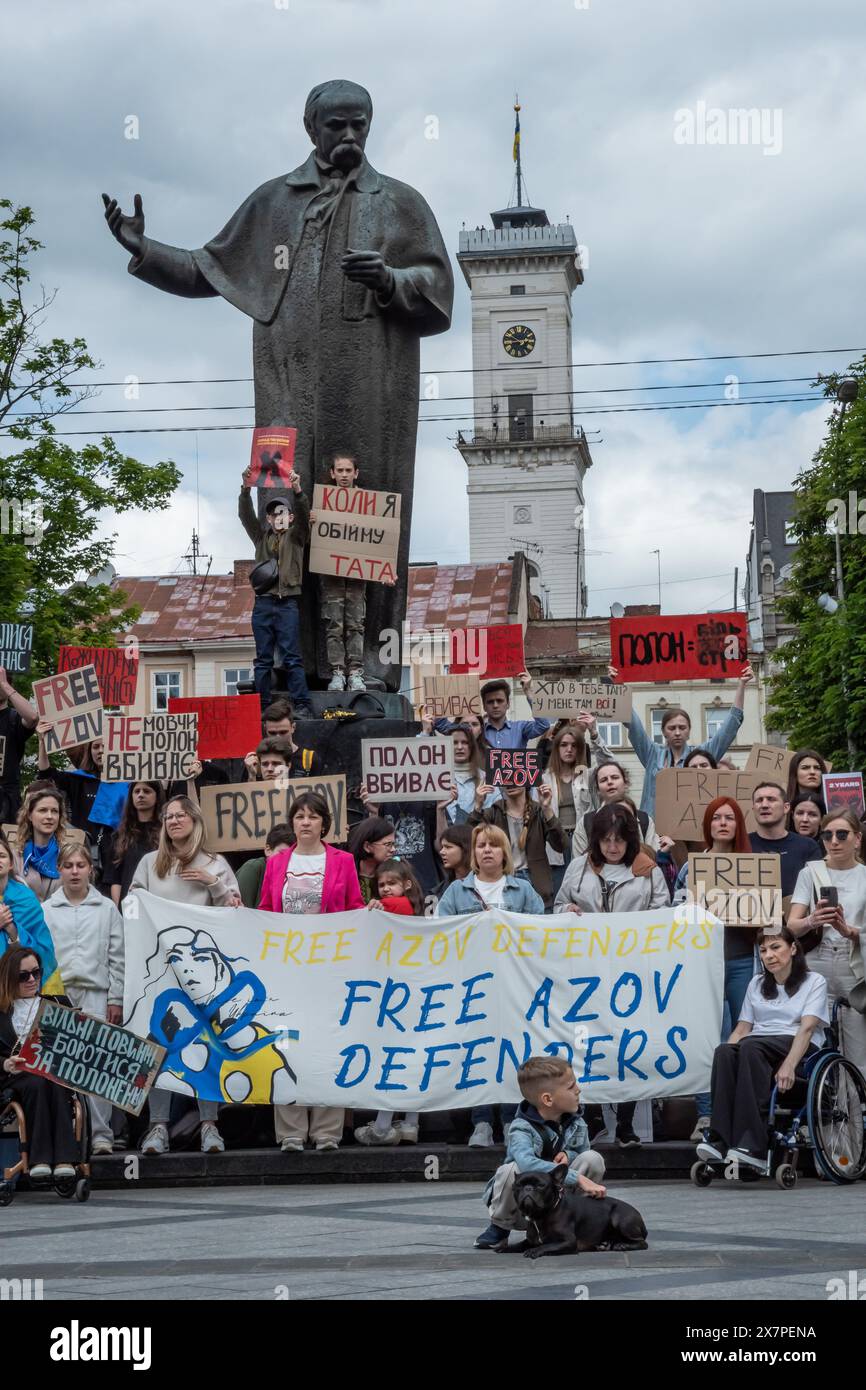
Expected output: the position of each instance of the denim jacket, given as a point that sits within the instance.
(463, 896)
(656, 756)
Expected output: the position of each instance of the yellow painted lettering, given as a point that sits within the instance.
(348, 931)
(649, 947)
(630, 936)
(272, 938)
(500, 928)
(316, 940)
(296, 937)
(550, 934)
(443, 953)
(522, 931)
(576, 937)
(415, 945)
(385, 947)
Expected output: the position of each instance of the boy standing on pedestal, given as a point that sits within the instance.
(344, 604)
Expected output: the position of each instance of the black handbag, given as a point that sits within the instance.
(265, 575)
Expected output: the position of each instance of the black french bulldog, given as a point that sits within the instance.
(567, 1221)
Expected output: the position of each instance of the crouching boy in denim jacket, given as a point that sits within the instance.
(546, 1130)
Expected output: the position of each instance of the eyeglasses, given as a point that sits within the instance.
(828, 835)
(24, 975)
(178, 815)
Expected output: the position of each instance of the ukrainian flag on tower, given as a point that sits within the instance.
(515, 153)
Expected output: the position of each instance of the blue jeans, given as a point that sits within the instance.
(738, 973)
(276, 622)
(483, 1114)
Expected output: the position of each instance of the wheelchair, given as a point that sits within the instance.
(13, 1127)
(824, 1112)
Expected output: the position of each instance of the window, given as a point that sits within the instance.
(519, 417)
(611, 734)
(166, 686)
(714, 718)
(656, 726)
(518, 289)
(791, 537)
(233, 674)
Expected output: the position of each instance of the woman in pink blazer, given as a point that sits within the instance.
(310, 877)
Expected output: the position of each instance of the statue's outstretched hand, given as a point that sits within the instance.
(368, 268)
(129, 231)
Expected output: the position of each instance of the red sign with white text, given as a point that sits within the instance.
(696, 646)
(272, 456)
(229, 726)
(487, 651)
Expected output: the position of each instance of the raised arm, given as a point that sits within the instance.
(168, 268)
(29, 713)
(246, 512)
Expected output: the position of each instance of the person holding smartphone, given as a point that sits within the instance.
(828, 907)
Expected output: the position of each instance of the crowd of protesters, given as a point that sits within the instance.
(583, 840)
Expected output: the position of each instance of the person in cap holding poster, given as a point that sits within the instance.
(676, 728)
(87, 931)
(277, 579)
(18, 719)
(344, 604)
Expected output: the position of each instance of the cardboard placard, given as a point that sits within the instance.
(566, 698)
(272, 457)
(488, 651)
(407, 769)
(514, 767)
(72, 703)
(682, 793)
(773, 762)
(451, 697)
(696, 646)
(84, 1053)
(229, 726)
(116, 670)
(742, 890)
(355, 533)
(844, 789)
(239, 816)
(149, 747)
(74, 836)
(16, 647)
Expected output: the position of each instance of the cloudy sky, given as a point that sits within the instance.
(695, 249)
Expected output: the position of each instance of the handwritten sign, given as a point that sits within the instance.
(407, 769)
(689, 647)
(566, 698)
(742, 890)
(84, 1053)
(488, 651)
(16, 646)
(844, 789)
(682, 794)
(149, 747)
(355, 533)
(239, 816)
(72, 704)
(272, 457)
(229, 726)
(513, 767)
(451, 697)
(116, 670)
(773, 762)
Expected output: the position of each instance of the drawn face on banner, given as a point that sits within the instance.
(200, 969)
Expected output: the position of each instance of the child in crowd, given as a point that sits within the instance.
(547, 1129)
(344, 604)
(398, 889)
(251, 875)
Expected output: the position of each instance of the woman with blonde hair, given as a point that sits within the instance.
(531, 829)
(43, 828)
(184, 871)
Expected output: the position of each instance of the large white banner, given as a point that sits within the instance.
(369, 1010)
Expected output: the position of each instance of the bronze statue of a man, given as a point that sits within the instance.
(342, 270)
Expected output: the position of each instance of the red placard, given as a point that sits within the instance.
(696, 646)
(487, 651)
(116, 670)
(272, 457)
(844, 790)
(229, 726)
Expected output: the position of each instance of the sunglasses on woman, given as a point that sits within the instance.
(24, 975)
(828, 835)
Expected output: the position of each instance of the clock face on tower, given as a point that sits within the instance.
(518, 340)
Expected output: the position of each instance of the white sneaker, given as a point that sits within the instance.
(747, 1160)
(356, 681)
(481, 1136)
(40, 1171)
(64, 1171)
(338, 681)
(371, 1136)
(212, 1141)
(326, 1146)
(102, 1146)
(708, 1153)
(155, 1141)
(408, 1133)
(292, 1146)
(701, 1130)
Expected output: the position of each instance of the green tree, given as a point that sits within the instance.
(819, 695)
(52, 497)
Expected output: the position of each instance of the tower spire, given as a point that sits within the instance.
(516, 151)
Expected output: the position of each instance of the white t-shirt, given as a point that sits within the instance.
(515, 830)
(782, 1016)
(305, 878)
(851, 884)
(491, 892)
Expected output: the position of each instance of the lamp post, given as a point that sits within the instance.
(846, 393)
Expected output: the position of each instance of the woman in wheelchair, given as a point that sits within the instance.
(47, 1110)
(781, 1023)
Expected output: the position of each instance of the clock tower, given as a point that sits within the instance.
(526, 459)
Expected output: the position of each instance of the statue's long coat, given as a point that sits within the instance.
(328, 355)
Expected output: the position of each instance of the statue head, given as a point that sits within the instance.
(337, 119)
